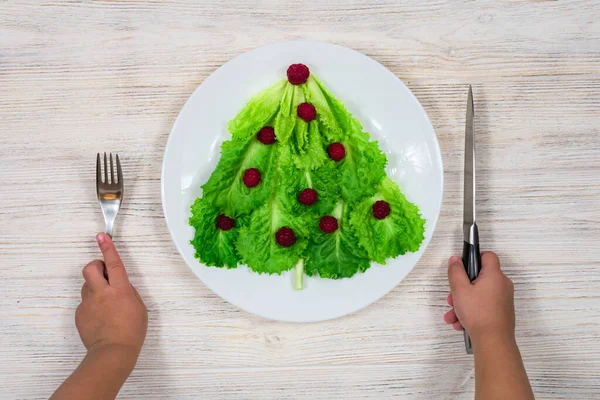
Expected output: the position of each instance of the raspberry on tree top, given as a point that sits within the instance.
(298, 74)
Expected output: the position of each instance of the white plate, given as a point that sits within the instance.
(386, 108)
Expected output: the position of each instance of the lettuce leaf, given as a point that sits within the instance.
(300, 133)
(256, 242)
(314, 155)
(338, 111)
(364, 165)
(257, 245)
(261, 108)
(214, 247)
(401, 231)
(226, 188)
(331, 114)
(362, 168)
(335, 255)
(300, 137)
(293, 180)
(286, 118)
(325, 181)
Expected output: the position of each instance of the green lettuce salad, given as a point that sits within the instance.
(301, 185)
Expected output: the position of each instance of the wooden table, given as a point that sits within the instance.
(77, 78)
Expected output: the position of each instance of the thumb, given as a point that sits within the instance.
(490, 263)
(114, 266)
(457, 276)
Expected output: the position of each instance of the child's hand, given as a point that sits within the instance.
(111, 313)
(485, 308)
(112, 321)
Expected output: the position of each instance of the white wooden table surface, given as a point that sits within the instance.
(79, 77)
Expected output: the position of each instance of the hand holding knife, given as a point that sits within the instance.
(471, 255)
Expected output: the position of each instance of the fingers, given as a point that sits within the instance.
(457, 276)
(457, 326)
(114, 266)
(93, 273)
(85, 291)
(450, 317)
(459, 281)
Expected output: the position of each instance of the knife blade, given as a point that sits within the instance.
(471, 254)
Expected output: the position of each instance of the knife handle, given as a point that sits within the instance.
(472, 263)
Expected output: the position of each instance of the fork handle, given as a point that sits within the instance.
(110, 222)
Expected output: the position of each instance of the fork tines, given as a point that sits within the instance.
(112, 180)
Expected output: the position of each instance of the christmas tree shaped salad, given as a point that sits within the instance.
(301, 185)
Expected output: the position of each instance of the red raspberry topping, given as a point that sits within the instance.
(308, 197)
(225, 223)
(381, 209)
(298, 74)
(307, 112)
(328, 224)
(266, 135)
(336, 151)
(251, 177)
(285, 237)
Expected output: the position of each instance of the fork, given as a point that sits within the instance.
(110, 192)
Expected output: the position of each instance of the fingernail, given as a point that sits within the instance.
(453, 259)
(101, 238)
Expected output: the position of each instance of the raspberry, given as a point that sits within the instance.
(328, 224)
(298, 74)
(381, 209)
(285, 237)
(336, 151)
(266, 135)
(251, 177)
(225, 223)
(307, 112)
(308, 197)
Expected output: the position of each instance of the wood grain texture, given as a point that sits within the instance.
(81, 77)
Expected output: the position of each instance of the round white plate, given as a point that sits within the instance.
(382, 103)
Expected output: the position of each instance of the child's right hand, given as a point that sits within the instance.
(485, 307)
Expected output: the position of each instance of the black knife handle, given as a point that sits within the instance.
(472, 259)
(472, 263)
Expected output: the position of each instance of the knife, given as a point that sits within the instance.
(471, 255)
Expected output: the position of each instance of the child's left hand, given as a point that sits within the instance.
(112, 321)
(111, 312)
